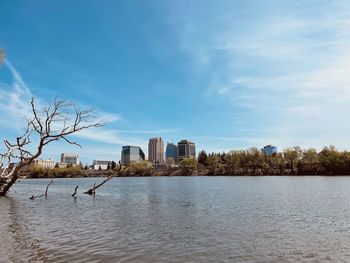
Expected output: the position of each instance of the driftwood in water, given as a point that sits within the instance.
(36, 196)
(44, 194)
(47, 187)
(75, 191)
(92, 191)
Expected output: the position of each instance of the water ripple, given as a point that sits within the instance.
(179, 219)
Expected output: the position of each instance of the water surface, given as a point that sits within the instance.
(179, 219)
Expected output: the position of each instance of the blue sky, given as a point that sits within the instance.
(224, 74)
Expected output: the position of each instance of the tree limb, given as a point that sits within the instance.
(44, 194)
(92, 190)
(75, 191)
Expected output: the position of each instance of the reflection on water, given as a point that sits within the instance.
(16, 242)
(179, 219)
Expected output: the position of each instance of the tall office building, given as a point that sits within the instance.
(156, 150)
(171, 151)
(269, 150)
(131, 154)
(186, 149)
(69, 158)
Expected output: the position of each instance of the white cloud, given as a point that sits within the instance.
(14, 100)
(109, 136)
(159, 131)
(289, 68)
(15, 107)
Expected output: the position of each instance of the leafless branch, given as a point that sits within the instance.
(75, 191)
(47, 187)
(44, 194)
(92, 190)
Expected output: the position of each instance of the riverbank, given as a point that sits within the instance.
(171, 172)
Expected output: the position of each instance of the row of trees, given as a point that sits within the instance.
(291, 161)
(111, 166)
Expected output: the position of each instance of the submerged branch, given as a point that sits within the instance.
(75, 191)
(47, 187)
(92, 190)
(44, 194)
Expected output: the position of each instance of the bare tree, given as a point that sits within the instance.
(55, 122)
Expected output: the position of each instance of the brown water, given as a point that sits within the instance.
(179, 219)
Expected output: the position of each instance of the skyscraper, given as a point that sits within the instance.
(156, 150)
(69, 158)
(269, 150)
(132, 154)
(171, 151)
(186, 149)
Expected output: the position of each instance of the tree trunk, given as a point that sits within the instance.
(9, 182)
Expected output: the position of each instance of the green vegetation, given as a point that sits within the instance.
(39, 172)
(188, 165)
(72, 171)
(291, 161)
(138, 169)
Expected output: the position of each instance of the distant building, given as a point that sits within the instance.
(186, 149)
(68, 158)
(131, 154)
(101, 165)
(171, 151)
(269, 150)
(156, 150)
(46, 164)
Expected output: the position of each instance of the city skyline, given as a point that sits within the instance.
(171, 151)
(227, 77)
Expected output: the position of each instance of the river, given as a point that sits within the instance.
(179, 219)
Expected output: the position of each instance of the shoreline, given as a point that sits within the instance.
(192, 175)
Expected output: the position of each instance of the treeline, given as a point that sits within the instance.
(71, 171)
(291, 161)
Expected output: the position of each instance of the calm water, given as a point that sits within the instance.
(179, 219)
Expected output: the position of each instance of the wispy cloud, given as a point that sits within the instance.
(288, 66)
(15, 105)
(221, 138)
(14, 100)
(109, 136)
(159, 131)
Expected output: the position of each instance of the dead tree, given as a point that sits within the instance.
(55, 122)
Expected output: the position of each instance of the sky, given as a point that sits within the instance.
(224, 74)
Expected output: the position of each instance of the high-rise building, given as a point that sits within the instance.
(186, 149)
(69, 158)
(131, 154)
(171, 151)
(269, 150)
(156, 150)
